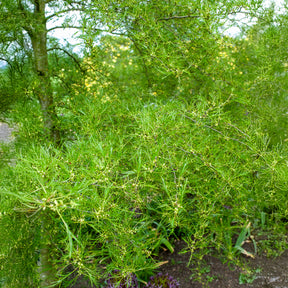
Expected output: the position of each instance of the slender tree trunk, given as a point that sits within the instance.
(38, 35)
(46, 270)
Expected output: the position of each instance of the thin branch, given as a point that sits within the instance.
(64, 27)
(26, 15)
(179, 17)
(7, 61)
(63, 12)
(217, 131)
(76, 2)
(80, 28)
(198, 16)
(7, 39)
(229, 124)
(115, 33)
(70, 55)
(246, 13)
(143, 61)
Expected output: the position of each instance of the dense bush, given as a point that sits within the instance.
(135, 177)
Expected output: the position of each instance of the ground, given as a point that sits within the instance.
(268, 272)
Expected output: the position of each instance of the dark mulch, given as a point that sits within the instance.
(272, 273)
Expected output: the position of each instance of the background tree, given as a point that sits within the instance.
(263, 61)
(181, 31)
(176, 40)
(25, 28)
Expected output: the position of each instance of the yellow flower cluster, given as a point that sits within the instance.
(107, 61)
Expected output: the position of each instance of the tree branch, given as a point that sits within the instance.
(26, 15)
(215, 130)
(70, 55)
(143, 61)
(63, 12)
(76, 2)
(64, 27)
(179, 17)
(81, 27)
(198, 16)
(7, 61)
(251, 14)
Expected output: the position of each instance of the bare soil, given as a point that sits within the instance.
(268, 272)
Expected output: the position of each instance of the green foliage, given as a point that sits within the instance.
(138, 175)
(14, 83)
(263, 63)
(167, 130)
(249, 276)
(20, 256)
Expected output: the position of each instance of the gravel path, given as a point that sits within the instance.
(5, 132)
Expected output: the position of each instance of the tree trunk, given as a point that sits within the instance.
(38, 35)
(46, 270)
